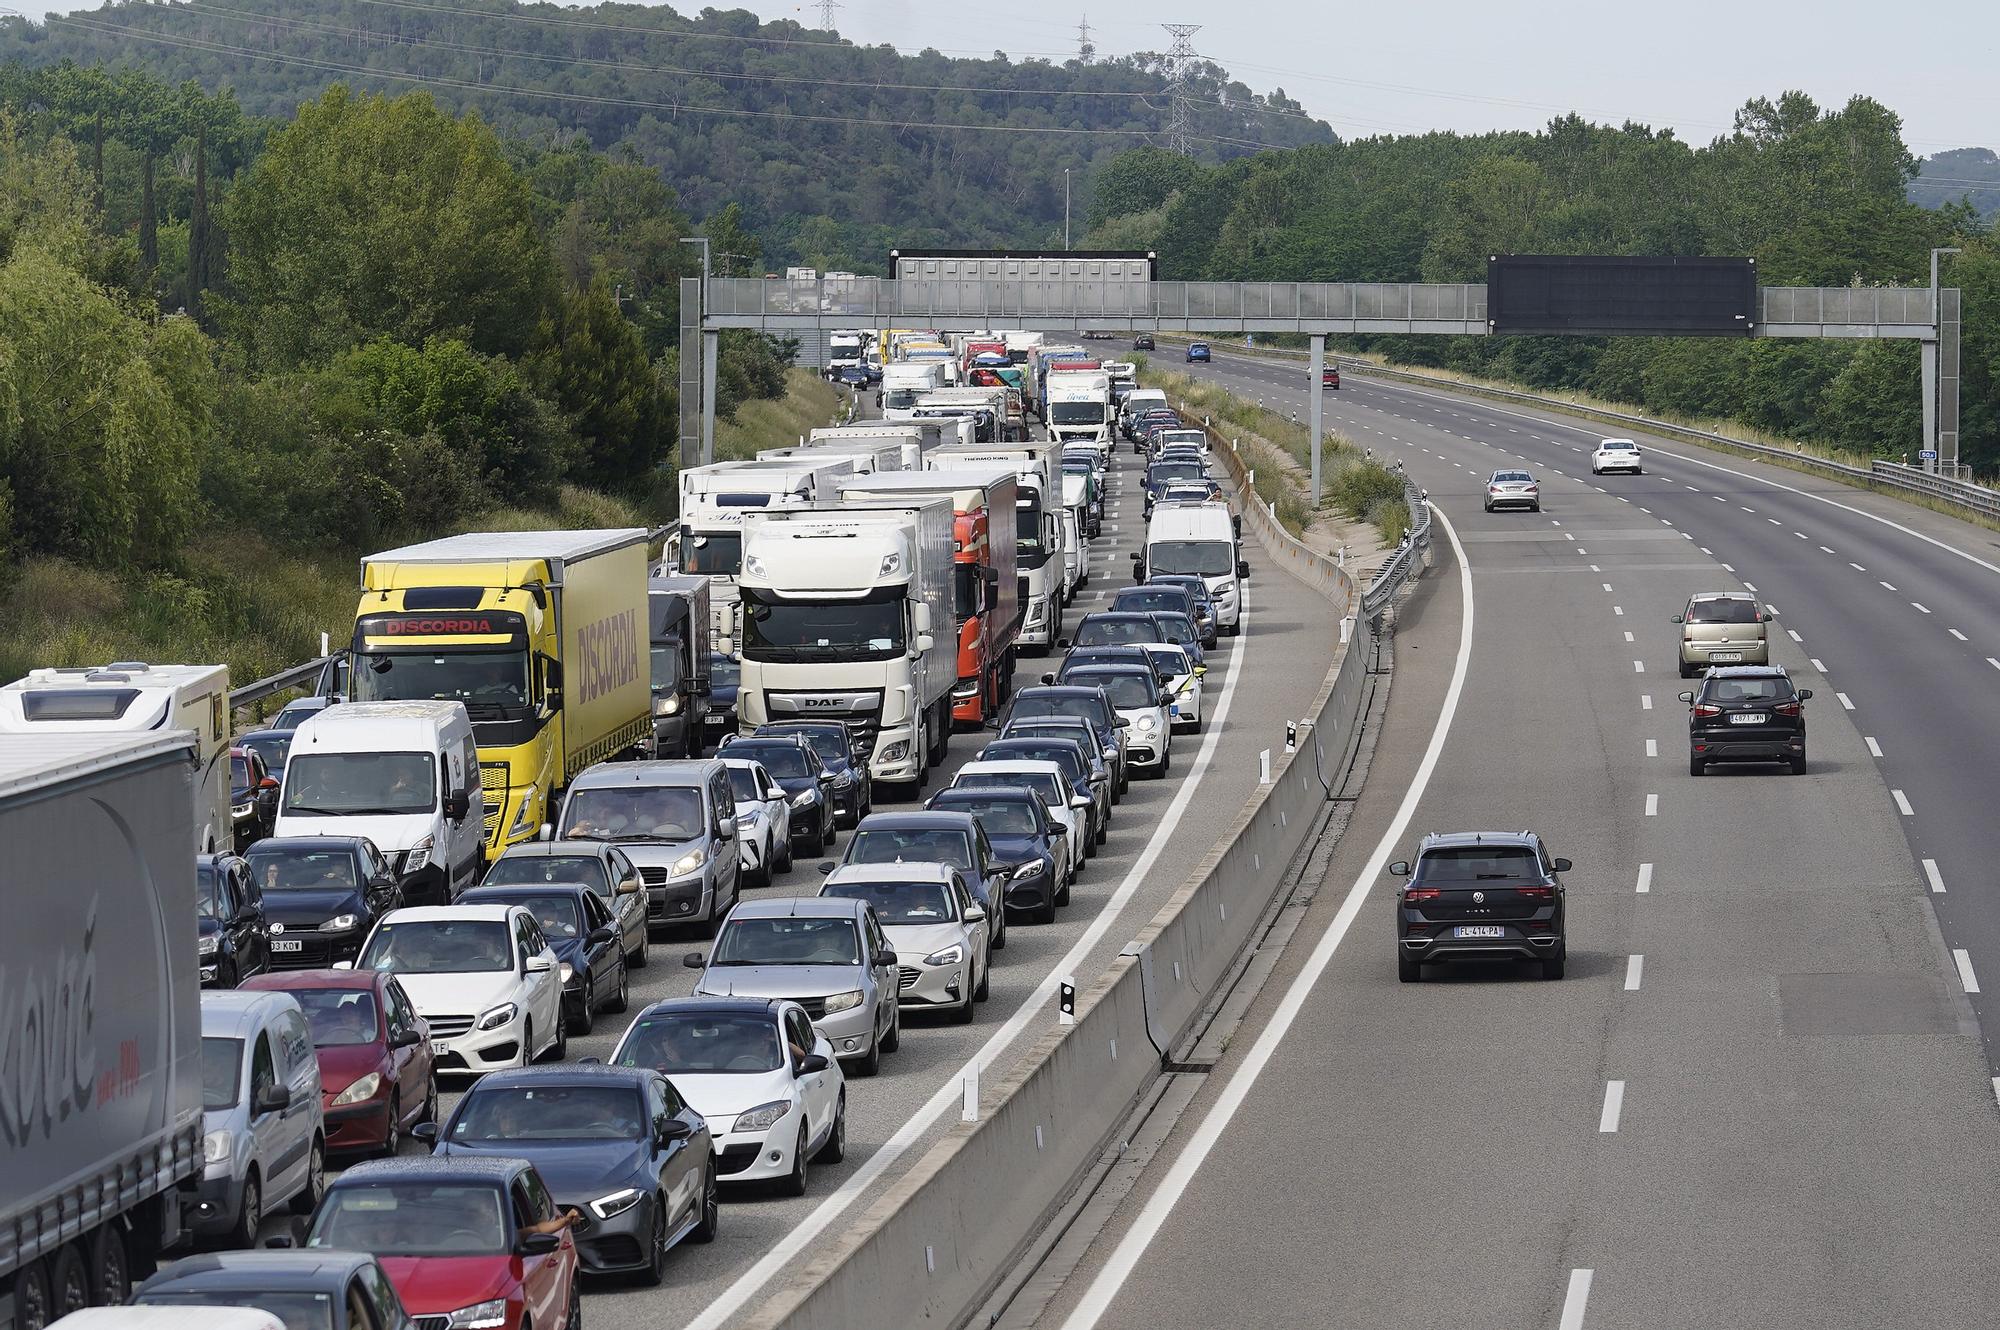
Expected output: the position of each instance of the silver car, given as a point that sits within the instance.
(263, 1124)
(1722, 628)
(943, 939)
(829, 956)
(1513, 488)
(676, 821)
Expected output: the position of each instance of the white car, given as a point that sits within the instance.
(483, 977)
(763, 821)
(1183, 685)
(942, 937)
(766, 1081)
(1616, 455)
(1046, 779)
(1136, 695)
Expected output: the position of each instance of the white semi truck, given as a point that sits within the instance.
(714, 499)
(1038, 545)
(847, 615)
(1079, 406)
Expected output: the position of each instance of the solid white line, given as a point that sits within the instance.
(1614, 1101)
(1937, 878)
(785, 1253)
(1652, 805)
(1845, 700)
(1645, 878)
(1874, 749)
(1579, 1280)
(1963, 959)
(1955, 633)
(1635, 969)
(1903, 803)
(1652, 748)
(1153, 1214)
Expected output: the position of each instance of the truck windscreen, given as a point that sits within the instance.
(1031, 548)
(666, 666)
(490, 683)
(965, 590)
(713, 553)
(804, 630)
(1076, 413)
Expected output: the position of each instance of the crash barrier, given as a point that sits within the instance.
(1411, 556)
(936, 1243)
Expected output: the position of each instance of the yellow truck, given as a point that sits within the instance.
(541, 634)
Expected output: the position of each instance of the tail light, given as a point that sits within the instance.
(1418, 895)
(1707, 709)
(1756, 616)
(1787, 708)
(1536, 893)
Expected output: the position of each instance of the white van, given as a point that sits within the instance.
(403, 774)
(904, 381)
(1137, 401)
(1076, 555)
(1198, 538)
(130, 696)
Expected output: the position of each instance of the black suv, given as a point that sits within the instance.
(1746, 713)
(1481, 894)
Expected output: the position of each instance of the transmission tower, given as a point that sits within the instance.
(826, 8)
(1180, 115)
(1086, 50)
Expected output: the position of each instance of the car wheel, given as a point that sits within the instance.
(830, 826)
(1535, 508)
(585, 1019)
(835, 1148)
(560, 1049)
(1409, 969)
(985, 989)
(794, 1182)
(894, 1039)
(309, 1196)
(871, 1062)
(249, 1214)
(818, 841)
(784, 853)
(644, 955)
(573, 1317)
(1799, 765)
(1686, 673)
(622, 999)
(392, 1135)
(1487, 506)
(1696, 766)
(1062, 892)
(654, 1272)
(430, 1101)
(1552, 968)
(710, 1222)
(999, 919)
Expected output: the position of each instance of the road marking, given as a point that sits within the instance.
(1890, 586)
(1857, 567)
(1652, 805)
(1747, 510)
(1638, 667)
(1614, 1103)
(1607, 586)
(1919, 607)
(1118, 1267)
(1795, 634)
(1635, 967)
(1593, 568)
(1994, 663)
(1579, 1280)
(1619, 610)
(1568, 536)
(1874, 749)
(1955, 633)
(1937, 878)
(1825, 550)
(1747, 586)
(1963, 960)
(1706, 550)
(1652, 748)
(1819, 664)
(1645, 701)
(1645, 879)
(1628, 635)
(1903, 803)
(1845, 700)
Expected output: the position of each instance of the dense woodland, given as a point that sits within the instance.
(1817, 196)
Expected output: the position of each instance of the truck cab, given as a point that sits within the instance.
(679, 620)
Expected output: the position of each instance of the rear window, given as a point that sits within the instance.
(1771, 689)
(1723, 611)
(1477, 863)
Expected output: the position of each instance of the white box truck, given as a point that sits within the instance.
(866, 456)
(847, 615)
(1079, 407)
(714, 499)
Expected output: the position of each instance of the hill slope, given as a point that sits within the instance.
(1968, 173)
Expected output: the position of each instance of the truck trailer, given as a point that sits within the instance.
(1038, 543)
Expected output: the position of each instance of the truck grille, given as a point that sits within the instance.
(493, 790)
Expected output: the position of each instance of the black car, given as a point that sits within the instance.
(1143, 342)
(935, 836)
(1149, 597)
(1112, 629)
(322, 894)
(327, 1290)
(1148, 423)
(1171, 471)
(1205, 619)
(1179, 628)
(794, 763)
(1746, 713)
(1072, 700)
(618, 1144)
(1078, 657)
(1481, 895)
(232, 933)
(1069, 755)
(834, 743)
(274, 746)
(253, 796)
(718, 717)
(589, 947)
(1023, 835)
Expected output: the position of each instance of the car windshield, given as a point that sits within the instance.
(1174, 625)
(521, 871)
(931, 845)
(1203, 558)
(1001, 817)
(439, 946)
(209, 900)
(633, 813)
(561, 917)
(1510, 476)
(1062, 754)
(666, 667)
(1159, 473)
(788, 942)
(413, 1218)
(1099, 631)
(1723, 611)
(221, 1072)
(1127, 691)
(273, 748)
(1619, 446)
(299, 1311)
(900, 902)
(1144, 599)
(338, 1017)
(550, 1113)
(1477, 863)
(1168, 657)
(724, 671)
(713, 552)
(831, 747)
(282, 869)
(698, 1042)
(359, 784)
(1769, 689)
(780, 759)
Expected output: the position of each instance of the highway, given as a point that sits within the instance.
(1763, 1094)
(1255, 683)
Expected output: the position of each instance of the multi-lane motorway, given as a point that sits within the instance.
(1761, 1096)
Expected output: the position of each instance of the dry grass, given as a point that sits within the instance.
(810, 403)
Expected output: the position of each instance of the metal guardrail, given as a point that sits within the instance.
(252, 693)
(1404, 564)
(1962, 492)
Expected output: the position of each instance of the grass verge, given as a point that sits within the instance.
(809, 404)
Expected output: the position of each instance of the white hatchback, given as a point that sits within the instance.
(1616, 455)
(941, 933)
(1182, 686)
(763, 821)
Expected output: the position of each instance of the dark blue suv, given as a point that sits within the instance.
(1197, 351)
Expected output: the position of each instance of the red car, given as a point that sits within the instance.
(1329, 377)
(375, 1063)
(467, 1242)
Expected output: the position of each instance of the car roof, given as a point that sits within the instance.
(289, 981)
(1109, 667)
(564, 1073)
(495, 1169)
(1456, 839)
(1006, 765)
(515, 891)
(964, 793)
(741, 1006)
(797, 907)
(914, 820)
(1603, 442)
(1059, 690)
(313, 844)
(1035, 739)
(419, 914)
(230, 1011)
(558, 849)
(683, 772)
(251, 1271)
(1722, 595)
(1747, 672)
(914, 871)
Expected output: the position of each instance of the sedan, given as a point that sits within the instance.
(834, 742)
(1102, 771)
(766, 1082)
(1198, 351)
(1143, 342)
(253, 796)
(927, 836)
(1616, 455)
(589, 953)
(1513, 488)
(337, 1290)
(619, 1145)
(763, 821)
(322, 894)
(1029, 843)
(1067, 805)
(1747, 713)
(483, 978)
(938, 930)
(1205, 620)
(601, 866)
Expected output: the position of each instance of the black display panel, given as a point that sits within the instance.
(1612, 297)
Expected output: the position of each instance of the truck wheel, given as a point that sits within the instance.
(69, 1280)
(111, 1265)
(34, 1305)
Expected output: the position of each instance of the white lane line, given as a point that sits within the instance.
(1795, 634)
(1728, 567)
(1874, 749)
(1720, 499)
(1903, 803)
(1619, 610)
(1578, 1295)
(1955, 633)
(1825, 550)
(1993, 662)
(1963, 960)
(1937, 878)
(1607, 586)
(1857, 567)
(1746, 509)
(1645, 879)
(1845, 700)
(1749, 586)
(1652, 748)
(784, 1255)
(1645, 701)
(1595, 569)
(1889, 586)
(1635, 969)
(1628, 635)
(1153, 1214)
(1819, 664)
(1568, 536)
(1614, 1103)
(1771, 609)
(1918, 607)
(1638, 667)
(1652, 805)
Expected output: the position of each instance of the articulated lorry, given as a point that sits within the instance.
(1079, 406)
(714, 499)
(865, 456)
(541, 634)
(986, 601)
(845, 617)
(679, 618)
(100, 1039)
(903, 382)
(1038, 533)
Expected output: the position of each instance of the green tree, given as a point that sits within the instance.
(593, 365)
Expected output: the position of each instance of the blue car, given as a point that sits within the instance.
(586, 939)
(1018, 827)
(1197, 351)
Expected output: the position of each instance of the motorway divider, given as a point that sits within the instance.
(934, 1245)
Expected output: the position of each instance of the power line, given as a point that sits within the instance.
(826, 8)
(1086, 50)
(1179, 115)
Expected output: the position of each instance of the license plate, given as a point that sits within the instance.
(1174, 710)
(440, 1047)
(1479, 930)
(1747, 718)
(1725, 655)
(287, 944)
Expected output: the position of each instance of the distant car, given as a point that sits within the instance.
(295, 713)
(763, 821)
(263, 1131)
(1143, 342)
(374, 1051)
(1067, 803)
(1102, 769)
(253, 796)
(1198, 351)
(834, 742)
(829, 956)
(925, 835)
(232, 935)
(765, 1080)
(1329, 377)
(322, 1290)
(1722, 628)
(1135, 692)
(1747, 713)
(794, 764)
(1512, 487)
(1068, 753)
(590, 955)
(456, 1238)
(274, 746)
(1481, 895)
(321, 894)
(941, 934)
(1028, 842)
(619, 1145)
(853, 376)
(1087, 702)
(1183, 686)
(1191, 491)
(483, 978)
(1177, 627)
(1205, 618)
(1616, 455)
(718, 717)
(1107, 628)
(601, 866)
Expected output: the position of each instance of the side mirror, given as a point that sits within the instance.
(1562, 865)
(548, 832)
(456, 805)
(1401, 868)
(1805, 694)
(924, 643)
(828, 867)
(885, 957)
(538, 1244)
(268, 783)
(1243, 568)
(1200, 670)
(673, 1129)
(920, 619)
(1688, 698)
(694, 961)
(1063, 644)
(427, 1132)
(992, 577)
(537, 965)
(773, 792)
(975, 914)
(599, 936)
(1079, 801)
(405, 1038)
(1048, 678)
(1679, 618)
(1121, 724)
(725, 827)
(1056, 829)
(813, 1062)
(274, 1099)
(629, 887)
(278, 1242)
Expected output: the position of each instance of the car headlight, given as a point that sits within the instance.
(843, 1001)
(1032, 869)
(524, 816)
(1145, 723)
(496, 1017)
(617, 1203)
(217, 1146)
(239, 810)
(690, 861)
(566, 970)
(359, 1092)
(951, 955)
(844, 778)
(805, 798)
(764, 1116)
(340, 923)
(668, 706)
(479, 1316)
(209, 945)
(419, 855)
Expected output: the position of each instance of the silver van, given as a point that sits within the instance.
(675, 820)
(263, 1128)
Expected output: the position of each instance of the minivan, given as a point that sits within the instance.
(403, 774)
(263, 1127)
(1722, 628)
(676, 821)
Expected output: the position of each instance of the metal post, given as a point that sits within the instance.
(705, 352)
(1318, 406)
(711, 351)
(691, 375)
(1066, 212)
(1930, 367)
